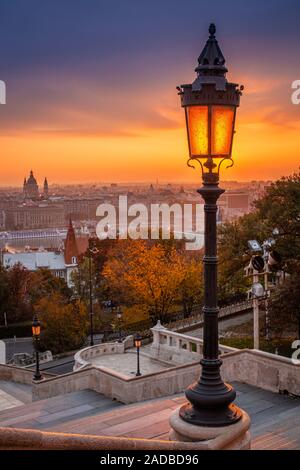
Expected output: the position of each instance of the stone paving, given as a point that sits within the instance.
(13, 394)
(126, 363)
(56, 411)
(8, 401)
(275, 418)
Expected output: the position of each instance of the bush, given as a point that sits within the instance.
(20, 330)
(282, 346)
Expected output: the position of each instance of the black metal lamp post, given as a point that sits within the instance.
(210, 107)
(119, 318)
(92, 251)
(36, 331)
(138, 344)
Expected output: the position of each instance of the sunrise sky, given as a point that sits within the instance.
(91, 87)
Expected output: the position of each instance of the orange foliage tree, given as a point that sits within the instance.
(149, 275)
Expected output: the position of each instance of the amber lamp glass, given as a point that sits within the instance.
(138, 341)
(36, 327)
(210, 130)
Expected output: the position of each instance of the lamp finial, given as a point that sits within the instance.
(212, 30)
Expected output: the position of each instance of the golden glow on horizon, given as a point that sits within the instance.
(262, 150)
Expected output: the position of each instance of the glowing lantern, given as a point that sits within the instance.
(210, 107)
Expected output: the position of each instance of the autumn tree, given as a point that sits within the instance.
(191, 287)
(64, 326)
(146, 274)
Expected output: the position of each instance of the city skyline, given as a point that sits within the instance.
(94, 98)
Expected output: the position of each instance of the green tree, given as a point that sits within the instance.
(42, 283)
(284, 306)
(280, 208)
(18, 307)
(64, 326)
(4, 293)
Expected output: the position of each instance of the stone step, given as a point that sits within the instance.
(43, 414)
(19, 391)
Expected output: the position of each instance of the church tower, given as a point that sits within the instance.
(46, 189)
(71, 250)
(30, 188)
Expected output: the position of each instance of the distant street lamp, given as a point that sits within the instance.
(138, 344)
(210, 105)
(36, 331)
(92, 251)
(119, 318)
(264, 260)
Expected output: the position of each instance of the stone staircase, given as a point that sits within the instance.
(275, 418)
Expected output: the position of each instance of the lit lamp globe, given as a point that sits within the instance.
(36, 327)
(210, 104)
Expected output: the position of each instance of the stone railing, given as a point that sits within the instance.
(178, 348)
(263, 370)
(18, 374)
(84, 356)
(196, 321)
(32, 439)
(267, 371)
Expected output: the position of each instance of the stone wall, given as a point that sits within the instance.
(263, 370)
(18, 374)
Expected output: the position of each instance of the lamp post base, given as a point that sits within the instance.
(235, 437)
(210, 417)
(37, 378)
(210, 399)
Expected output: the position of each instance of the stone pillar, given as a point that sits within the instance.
(156, 330)
(2, 352)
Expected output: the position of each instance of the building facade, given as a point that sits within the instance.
(62, 263)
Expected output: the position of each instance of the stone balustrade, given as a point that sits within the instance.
(263, 370)
(178, 348)
(83, 358)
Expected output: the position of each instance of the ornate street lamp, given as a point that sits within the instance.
(119, 318)
(36, 331)
(210, 104)
(138, 344)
